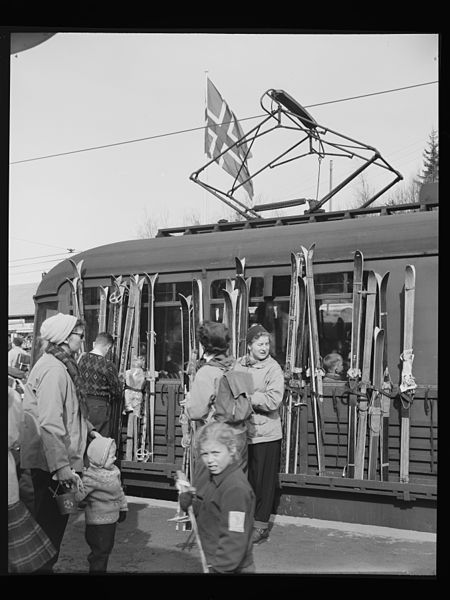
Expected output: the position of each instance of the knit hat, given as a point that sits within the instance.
(98, 450)
(56, 329)
(255, 331)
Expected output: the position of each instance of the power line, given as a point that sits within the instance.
(34, 257)
(39, 262)
(161, 135)
(71, 250)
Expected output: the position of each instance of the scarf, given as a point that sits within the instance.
(71, 365)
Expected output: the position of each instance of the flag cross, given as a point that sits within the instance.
(222, 131)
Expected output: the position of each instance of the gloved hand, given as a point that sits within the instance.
(122, 516)
(185, 500)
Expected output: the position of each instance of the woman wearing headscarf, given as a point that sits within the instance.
(56, 429)
(264, 426)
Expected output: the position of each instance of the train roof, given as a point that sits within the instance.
(267, 243)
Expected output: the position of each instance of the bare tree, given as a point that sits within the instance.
(404, 194)
(149, 225)
(363, 193)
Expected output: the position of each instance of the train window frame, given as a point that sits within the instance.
(214, 303)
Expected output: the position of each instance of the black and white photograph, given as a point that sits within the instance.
(222, 302)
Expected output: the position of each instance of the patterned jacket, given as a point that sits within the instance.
(99, 376)
(103, 493)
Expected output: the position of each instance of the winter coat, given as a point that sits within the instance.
(204, 387)
(102, 491)
(224, 506)
(55, 432)
(264, 424)
(15, 420)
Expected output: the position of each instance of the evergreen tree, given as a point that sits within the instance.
(430, 172)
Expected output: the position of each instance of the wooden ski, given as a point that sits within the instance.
(77, 294)
(102, 310)
(354, 372)
(315, 368)
(408, 384)
(290, 363)
(231, 297)
(375, 404)
(243, 286)
(301, 400)
(387, 384)
(363, 404)
(151, 371)
(116, 300)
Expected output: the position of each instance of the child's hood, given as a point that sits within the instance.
(98, 451)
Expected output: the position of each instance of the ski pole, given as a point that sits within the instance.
(197, 537)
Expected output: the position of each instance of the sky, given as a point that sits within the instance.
(81, 90)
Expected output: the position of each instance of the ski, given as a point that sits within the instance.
(151, 371)
(116, 300)
(129, 321)
(136, 452)
(354, 373)
(231, 296)
(102, 310)
(387, 383)
(291, 352)
(301, 405)
(363, 404)
(408, 384)
(315, 368)
(123, 363)
(375, 404)
(243, 286)
(197, 306)
(77, 294)
(135, 340)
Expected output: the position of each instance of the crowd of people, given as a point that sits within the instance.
(60, 436)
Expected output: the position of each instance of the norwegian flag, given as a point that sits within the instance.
(222, 131)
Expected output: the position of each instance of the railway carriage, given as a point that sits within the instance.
(390, 238)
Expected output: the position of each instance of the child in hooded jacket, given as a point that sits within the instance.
(106, 504)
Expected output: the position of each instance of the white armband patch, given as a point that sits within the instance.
(236, 521)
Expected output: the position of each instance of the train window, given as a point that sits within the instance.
(256, 288)
(168, 352)
(217, 301)
(333, 306)
(281, 285)
(335, 327)
(333, 283)
(169, 355)
(44, 310)
(91, 296)
(168, 292)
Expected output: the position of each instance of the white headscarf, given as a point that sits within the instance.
(56, 329)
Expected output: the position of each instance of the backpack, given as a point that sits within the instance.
(231, 403)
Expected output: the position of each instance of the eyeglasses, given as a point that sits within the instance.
(79, 334)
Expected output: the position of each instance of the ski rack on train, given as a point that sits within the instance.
(284, 112)
(260, 223)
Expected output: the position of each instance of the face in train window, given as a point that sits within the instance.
(333, 308)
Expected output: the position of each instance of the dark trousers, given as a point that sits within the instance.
(46, 511)
(100, 539)
(99, 414)
(263, 468)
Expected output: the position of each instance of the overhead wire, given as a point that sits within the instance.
(161, 135)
